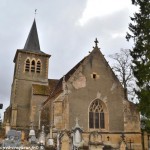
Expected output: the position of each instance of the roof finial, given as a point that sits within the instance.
(35, 12)
(96, 42)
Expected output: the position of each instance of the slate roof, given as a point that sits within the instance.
(32, 42)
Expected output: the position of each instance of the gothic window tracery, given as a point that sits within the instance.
(33, 65)
(96, 115)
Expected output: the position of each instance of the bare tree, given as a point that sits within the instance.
(122, 69)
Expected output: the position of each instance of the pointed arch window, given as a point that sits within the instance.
(27, 65)
(33, 66)
(38, 67)
(96, 115)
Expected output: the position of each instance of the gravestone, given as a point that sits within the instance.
(65, 140)
(123, 146)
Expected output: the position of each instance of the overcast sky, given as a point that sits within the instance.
(67, 30)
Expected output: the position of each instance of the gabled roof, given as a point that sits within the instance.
(32, 42)
(58, 88)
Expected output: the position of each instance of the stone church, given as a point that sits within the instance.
(87, 106)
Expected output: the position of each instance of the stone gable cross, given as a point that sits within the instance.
(96, 42)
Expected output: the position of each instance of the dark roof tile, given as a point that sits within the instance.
(32, 43)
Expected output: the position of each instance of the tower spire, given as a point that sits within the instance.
(32, 42)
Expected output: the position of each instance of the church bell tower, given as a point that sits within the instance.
(31, 67)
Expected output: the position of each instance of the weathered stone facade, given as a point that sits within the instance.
(25, 100)
(90, 91)
(93, 80)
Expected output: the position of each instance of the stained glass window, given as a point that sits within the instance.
(96, 115)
